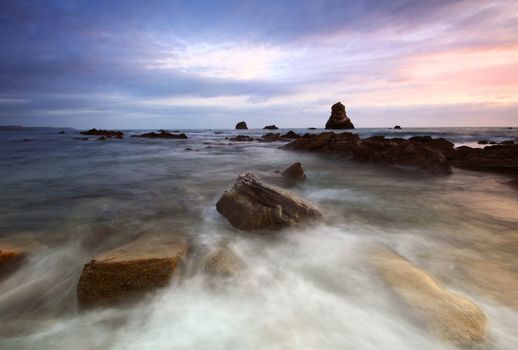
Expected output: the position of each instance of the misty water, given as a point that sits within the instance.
(311, 287)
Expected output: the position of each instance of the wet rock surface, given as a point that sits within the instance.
(376, 149)
(447, 315)
(126, 273)
(338, 118)
(294, 172)
(10, 259)
(104, 133)
(252, 205)
(162, 134)
(501, 158)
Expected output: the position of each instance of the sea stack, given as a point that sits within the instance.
(338, 118)
(241, 126)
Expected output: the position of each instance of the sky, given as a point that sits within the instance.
(210, 64)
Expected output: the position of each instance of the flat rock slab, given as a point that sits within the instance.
(448, 315)
(252, 205)
(127, 272)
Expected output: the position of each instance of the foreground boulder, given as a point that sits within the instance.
(253, 205)
(163, 135)
(271, 127)
(128, 272)
(447, 315)
(104, 133)
(241, 126)
(338, 118)
(377, 149)
(294, 172)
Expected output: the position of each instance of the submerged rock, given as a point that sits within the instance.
(241, 138)
(104, 133)
(338, 118)
(223, 262)
(271, 127)
(163, 135)
(241, 126)
(294, 172)
(128, 272)
(253, 205)
(447, 315)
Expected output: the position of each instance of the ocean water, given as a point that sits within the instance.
(312, 287)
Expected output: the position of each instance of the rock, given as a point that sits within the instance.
(397, 127)
(338, 118)
(82, 138)
(271, 127)
(253, 205)
(447, 315)
(290, 135)
(223, 262)
(241, 138)
(312, 128)
(441, 144)
(10, 259)
(377, 149)
(104, 133)
(294, 172)
(497, 158)
(128, 272)
(26, 140)
(506, 142)
(102, 138)
(241, 126)
(187, 149)
(271, 137)
(483, 142)
(163, 135)
(61, 132)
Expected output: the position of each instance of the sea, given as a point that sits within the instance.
(310, 287)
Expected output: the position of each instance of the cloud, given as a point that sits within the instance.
(162, 59)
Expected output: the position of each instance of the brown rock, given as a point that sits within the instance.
(223, 262)
(10, 259)
(253, 205)
(376, 149)
(128, 272)
(103, 133)
(447, 315)
(241, 126)
(497, 158)
(338, 118)
(270, 137)
(294, 172)
(290, 135)
(441, 144)
(163, 135)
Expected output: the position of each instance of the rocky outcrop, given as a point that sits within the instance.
(441, 144)
(253, 205)
(447, 315)
(294, 172)
(126, 273)
(338, 118)
(271, 127)
(241, 126)
(498, 158)
(104, 133)
(397, 127)
(162, 135)
(377, 150)
(271, 137)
